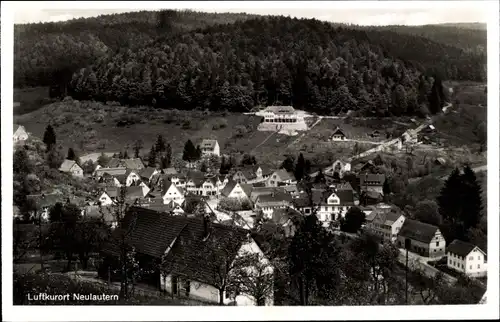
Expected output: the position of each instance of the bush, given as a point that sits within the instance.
(232, 204)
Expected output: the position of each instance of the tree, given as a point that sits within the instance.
(103, 160)
(54, 158)
(289, 163)
(355, 149)
(427, 211)
(49, 137)
(198, 154)
(88, 167)
(481, 133)
(320, 177)
(189, 153)
(436, 97)
(299, 167)
(168, 155)
(138, 145)
(470, 199)
(427, 287)
(164, 162)
(91, 234)
(448, 200)
(160, 144)
(313, 260)
(248, 159)
(71, 154)
(253, 275)
(354, 219)
(386, 188)
(203, 167)
(152, 157)
(64, 220)
(21, 163)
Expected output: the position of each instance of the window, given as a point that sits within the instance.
(479, 258)
(471, 258)
(470, 266)
(437, 244)
(186, 287)
(478, 266)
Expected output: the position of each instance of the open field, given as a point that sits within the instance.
(30, 99)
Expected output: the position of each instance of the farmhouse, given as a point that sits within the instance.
(193, 250)
(426, 240)
(338, 135)
(20, 134)
(210, 147)
(386, 223)
(466, 258)
(71, 167)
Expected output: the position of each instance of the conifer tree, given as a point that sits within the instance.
(71, 154)
(49, 137)
(160, 144)
(189, 152)
(299, 167)
(449, 205)
(152, 157)
(470, 199)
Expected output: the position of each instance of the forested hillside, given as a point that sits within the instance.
(234, 62)
(50, 52)
(469, 37)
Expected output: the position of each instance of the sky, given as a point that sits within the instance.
(355, 12)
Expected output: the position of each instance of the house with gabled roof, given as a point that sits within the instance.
(426, 240)
(368, 166)
(281, 176)
(386, 223)
(185, 255)
(371, 182)
(331, 205)
(110, 195)
(71, 167)
(338, 135)
(210, 147)
(20, 134)
(262, 171)
(99, 173)
(170, 192)
(131, 163)
(234, 189)
(466, 258)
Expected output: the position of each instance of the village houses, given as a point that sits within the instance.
(268, 203)
(340, 167)
(338, 135)
(466, 258)
(172, 193)
(237, 190)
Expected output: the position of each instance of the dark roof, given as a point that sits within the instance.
(228, 188)
(67, 165)
(338, 131)
(111, 171)
(346, 197)
(147, 172)
(135, 163)
(417, 230)
(266, 169)
(274, 197)
(114, 163)
(461, 248)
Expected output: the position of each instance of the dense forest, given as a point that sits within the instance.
(189, 60)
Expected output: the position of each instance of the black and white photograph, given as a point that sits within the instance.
(272, 156)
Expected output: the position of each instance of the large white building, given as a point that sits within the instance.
(466, 258)
(282, 118)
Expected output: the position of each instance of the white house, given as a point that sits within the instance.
(20, 134)
(71, 167)
(209, 147)
(332, 205)
(281, 177)
(466, 258)
(171, 192)
(234, 189)
(387, 224)
(268, 203)
(338, 135)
